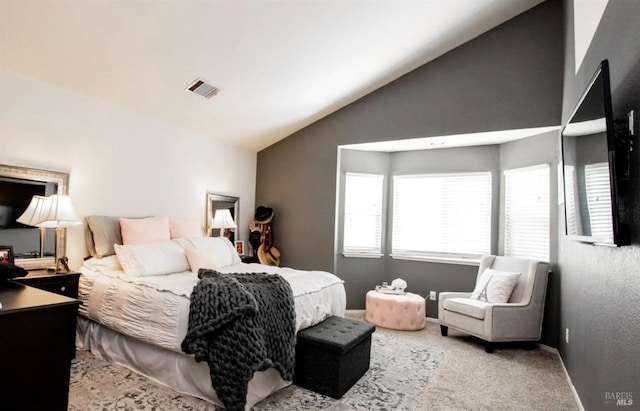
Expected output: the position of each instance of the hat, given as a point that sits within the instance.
(271, 257)
(263, 215)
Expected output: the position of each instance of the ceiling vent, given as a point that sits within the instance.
(204, 89)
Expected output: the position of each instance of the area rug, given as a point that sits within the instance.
(399, 374)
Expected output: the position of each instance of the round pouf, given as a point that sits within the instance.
(396, 311)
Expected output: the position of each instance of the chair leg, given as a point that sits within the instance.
(489, 347)
(444, 330)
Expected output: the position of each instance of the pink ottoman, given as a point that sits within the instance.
(396, 311)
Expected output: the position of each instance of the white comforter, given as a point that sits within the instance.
(155, 309)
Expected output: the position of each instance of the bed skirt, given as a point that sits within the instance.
(175, 370)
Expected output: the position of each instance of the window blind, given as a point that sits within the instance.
(363, 213)
(570, 198)
(527, 212)
(442, 215)
(598, 194)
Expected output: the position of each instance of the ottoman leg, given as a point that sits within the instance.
(444, 330)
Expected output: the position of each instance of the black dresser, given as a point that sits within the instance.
(37, 343)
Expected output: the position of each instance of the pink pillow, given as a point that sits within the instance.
(201, 259)
(185, 229)
(144, 230)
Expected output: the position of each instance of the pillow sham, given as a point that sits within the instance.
(224, 252)
(144, 230)
(495, 286)
(161, 258)
(102, 233)
(201, 259)
(184, 229)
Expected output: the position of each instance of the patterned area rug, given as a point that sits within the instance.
(399, 373)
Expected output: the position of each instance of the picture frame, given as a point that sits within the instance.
(239, 247)
(6, 254)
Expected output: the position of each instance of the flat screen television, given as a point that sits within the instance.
(591, 168)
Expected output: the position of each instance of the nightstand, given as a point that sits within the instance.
(60, 283)
(250, 259)
(37, 343)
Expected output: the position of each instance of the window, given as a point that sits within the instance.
(363, 214)
(442, 215)
(527, 212)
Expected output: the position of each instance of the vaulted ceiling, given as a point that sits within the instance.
(279, 64)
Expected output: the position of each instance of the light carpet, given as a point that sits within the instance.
(409, 371)
(398, 374)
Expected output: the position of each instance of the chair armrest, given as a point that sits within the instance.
(514, 321)
(445, 295)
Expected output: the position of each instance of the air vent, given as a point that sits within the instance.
(204, 89)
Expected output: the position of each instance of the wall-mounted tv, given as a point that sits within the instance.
(590, 168)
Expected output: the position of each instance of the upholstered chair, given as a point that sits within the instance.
(519, 318)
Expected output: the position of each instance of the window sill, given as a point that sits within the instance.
(434, 259)
(362, 255)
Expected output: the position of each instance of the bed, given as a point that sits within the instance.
(135, 310)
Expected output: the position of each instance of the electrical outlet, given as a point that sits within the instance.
(432, 295)
(566, 335)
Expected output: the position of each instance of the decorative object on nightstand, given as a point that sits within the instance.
(55, 211)
(6, 254)
(240, 247)
(224, 221)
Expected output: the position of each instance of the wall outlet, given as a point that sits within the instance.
(566, 335)
(432, 295)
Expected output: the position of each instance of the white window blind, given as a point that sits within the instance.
(571, 210)
(442, 215)
(599, 199)
(363, 213)
(527, 212)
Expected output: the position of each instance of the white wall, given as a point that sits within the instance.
(120, 162)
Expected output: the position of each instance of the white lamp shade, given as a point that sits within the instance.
(59, 212)
(223, 219)
(34, 212)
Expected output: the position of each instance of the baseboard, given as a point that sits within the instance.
(354, 311)
(574, 393)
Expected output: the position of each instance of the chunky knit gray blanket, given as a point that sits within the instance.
(239, 324)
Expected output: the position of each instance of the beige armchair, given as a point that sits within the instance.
(519, 319)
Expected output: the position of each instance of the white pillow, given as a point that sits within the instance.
(224, 253)
(141, 260)
(495, 286)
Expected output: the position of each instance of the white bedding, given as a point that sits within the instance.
(155, 309)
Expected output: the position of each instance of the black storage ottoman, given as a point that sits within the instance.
(333, 355)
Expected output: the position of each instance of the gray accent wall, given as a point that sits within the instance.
(600, 286)
(507, 78)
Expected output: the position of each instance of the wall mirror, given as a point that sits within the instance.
(217, 202)
(32, 247)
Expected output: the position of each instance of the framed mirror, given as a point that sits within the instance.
(32, 247)
(222, 202)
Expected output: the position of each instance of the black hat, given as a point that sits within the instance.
(263, 214)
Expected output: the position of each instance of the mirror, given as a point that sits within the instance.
(222, 202)
(32, 247)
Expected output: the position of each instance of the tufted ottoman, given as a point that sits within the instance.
(396, 311)
(333, 355)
